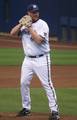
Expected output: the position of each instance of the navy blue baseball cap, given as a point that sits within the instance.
(32, 8)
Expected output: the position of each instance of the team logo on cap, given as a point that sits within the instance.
(34, 6)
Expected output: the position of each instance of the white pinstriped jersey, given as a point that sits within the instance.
(30, 46)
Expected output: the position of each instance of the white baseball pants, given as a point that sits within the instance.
(41, 67)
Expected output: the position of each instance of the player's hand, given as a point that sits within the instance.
(26, 21)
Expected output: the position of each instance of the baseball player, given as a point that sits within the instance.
(35, 40)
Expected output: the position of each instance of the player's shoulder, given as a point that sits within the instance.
(42, 22)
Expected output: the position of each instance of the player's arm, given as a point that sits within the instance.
(35, 36)
(15, 30)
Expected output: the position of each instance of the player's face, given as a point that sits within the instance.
(34, 15)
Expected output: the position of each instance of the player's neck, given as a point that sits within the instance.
(35, 20)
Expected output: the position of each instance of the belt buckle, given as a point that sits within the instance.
(37, 56)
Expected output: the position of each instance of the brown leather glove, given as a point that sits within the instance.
(26, 21)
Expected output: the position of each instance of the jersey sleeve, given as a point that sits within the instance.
(23, 30)
(44, 30)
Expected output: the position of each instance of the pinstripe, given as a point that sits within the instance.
(49, 79)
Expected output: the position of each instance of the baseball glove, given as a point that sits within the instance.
(26, 21)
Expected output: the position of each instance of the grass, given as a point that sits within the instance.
(14, 56)
(10, 100)
(64, 57)
(11, 56)
(67, 100)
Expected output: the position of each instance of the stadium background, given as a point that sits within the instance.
(61, 16)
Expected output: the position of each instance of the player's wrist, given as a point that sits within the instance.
(20, 25)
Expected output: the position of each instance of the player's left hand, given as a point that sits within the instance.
(26, 21)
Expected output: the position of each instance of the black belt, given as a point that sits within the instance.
(37, 56)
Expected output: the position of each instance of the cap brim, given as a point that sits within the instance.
(34, 10)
